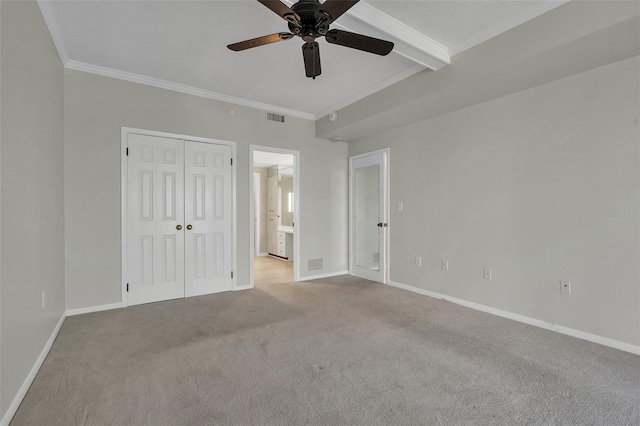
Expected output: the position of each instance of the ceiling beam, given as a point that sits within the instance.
(366, 19)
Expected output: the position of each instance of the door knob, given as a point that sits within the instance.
(189, 227)
(179, 227)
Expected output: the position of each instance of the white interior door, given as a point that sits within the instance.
(155, 200)
(208, 210)
(368, 224)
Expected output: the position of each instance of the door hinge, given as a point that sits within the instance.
(232, 161)
(127, 287)
(231, 274)
(127, 152)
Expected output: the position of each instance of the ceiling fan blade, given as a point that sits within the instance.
(259, 41)
(311, 54)
(283, 10)
(335, 8)
(360, 42)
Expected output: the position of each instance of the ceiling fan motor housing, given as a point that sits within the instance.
(313, 22)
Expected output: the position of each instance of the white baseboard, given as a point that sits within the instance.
(616, 344)
(32, 374)
(327, 275)
(80, 311)
(263, 254)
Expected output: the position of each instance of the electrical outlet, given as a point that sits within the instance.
(418, 261)
(487, 274)
(565, 287)
(44, 298)
(400, 206)
(444, 265)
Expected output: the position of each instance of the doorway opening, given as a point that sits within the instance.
(368, 215)
(274, 210)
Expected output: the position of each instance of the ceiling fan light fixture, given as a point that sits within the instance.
(310, 20)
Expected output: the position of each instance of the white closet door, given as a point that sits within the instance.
(208, 210)
(155, 209)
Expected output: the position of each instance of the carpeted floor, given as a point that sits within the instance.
(335, 351)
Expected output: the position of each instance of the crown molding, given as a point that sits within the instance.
(506, 25)
(54, 30)
(370, 91)
(182, 88)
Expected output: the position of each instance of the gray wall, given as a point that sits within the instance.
(526, 184)
(32, 192)
(96, 108)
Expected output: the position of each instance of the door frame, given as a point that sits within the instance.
(124, 132)
(296, 208)
(257, 199)
(386, 253)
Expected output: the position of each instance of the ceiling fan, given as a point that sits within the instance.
(310, 19)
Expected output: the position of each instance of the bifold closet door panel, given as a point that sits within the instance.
(155, 216)
(208, 218)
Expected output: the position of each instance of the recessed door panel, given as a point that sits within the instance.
(208, 216)
(155, 248)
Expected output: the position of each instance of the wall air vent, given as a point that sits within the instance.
(314, 265)
(272, 116)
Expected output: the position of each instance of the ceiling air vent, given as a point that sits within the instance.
(272, 116)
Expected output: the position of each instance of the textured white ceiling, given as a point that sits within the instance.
(453, 22)
(184, 42)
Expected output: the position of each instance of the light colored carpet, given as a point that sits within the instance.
(335, 351)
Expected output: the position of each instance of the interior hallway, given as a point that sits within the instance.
(269, 270)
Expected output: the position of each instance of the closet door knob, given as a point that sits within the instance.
(189, 227)
(179, 227)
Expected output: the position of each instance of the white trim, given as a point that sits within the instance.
(256, 231)
(54, 30)
(17, 400)
(327, 275)
(89, 309)
(410, 43)
(123, 189)
(506, 25)
(594, 338)
(124, 180)
(182, 88)
(296, 213)
(370, 91)
(263, 254)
